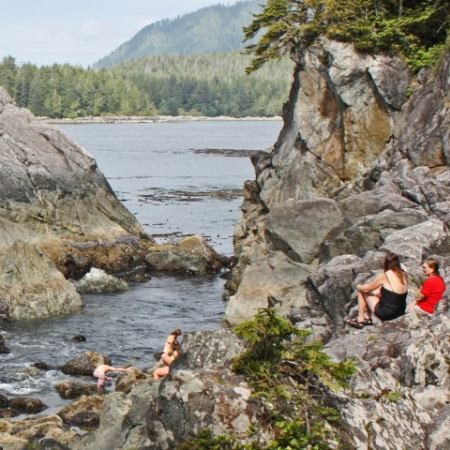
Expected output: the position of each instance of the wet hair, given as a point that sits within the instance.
(433, 264)
(392, 262)
(176, 332)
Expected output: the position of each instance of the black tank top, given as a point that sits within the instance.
(391, 304)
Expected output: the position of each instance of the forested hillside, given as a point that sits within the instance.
(210, 85)
(214, 29)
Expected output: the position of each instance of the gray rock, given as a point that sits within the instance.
(53, 196)
(164, 413)
(85, 364)
(299, 228)
(31, 285)
(74, 389)
(191, 255)
(97, 281)
(27, 405)
(84, 412)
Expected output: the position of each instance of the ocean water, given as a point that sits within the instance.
(177, 178)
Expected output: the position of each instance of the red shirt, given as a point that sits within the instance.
(433, 289)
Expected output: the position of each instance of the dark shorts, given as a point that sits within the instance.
(383, 312)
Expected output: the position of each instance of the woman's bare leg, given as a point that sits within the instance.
(161, 372)
(366, 305)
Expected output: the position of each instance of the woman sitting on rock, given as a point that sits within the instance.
(385, 296)
(432, 290)
(170, 353)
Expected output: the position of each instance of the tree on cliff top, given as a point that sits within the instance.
(413, 29)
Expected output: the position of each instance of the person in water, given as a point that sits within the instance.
(432, 290)
(170, 353)
(101, 371)
(385, 296)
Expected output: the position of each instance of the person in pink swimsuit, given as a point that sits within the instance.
(101, 371)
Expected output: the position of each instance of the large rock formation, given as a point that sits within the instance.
(31, 285)
(358, 167)
(58, 217)
(50, 188)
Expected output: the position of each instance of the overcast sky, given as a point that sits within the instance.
(80, 31)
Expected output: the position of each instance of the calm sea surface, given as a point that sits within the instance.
(166, 175)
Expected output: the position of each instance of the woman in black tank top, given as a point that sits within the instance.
(375, 297)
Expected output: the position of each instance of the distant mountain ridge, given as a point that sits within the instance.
(214, 29)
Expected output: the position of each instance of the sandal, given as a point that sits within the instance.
(367, 321)
(355, 324)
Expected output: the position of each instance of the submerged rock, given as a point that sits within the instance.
(3, 348)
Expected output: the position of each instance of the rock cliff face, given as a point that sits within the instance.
(51, 188)
(58, 216)
(358, 168)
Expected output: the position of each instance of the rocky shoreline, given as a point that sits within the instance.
(361, 168)
(147, 119)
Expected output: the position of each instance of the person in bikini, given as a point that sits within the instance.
(385, 296)
(101, 371)
(170, 353)
(432, 290)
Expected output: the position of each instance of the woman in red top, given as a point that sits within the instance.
(433, 289)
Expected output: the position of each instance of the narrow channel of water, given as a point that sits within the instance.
(156, 172)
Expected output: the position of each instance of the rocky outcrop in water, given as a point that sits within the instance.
(349, 178)
(85, 364)
(54, 197)
(96, 281)
(32, 286)
(191, 255)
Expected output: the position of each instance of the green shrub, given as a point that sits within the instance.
(294, 378)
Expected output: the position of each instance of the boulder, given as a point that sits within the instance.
(31, 285)
(298, 228)
(84, 412)
(277, 282)
(27, 405)
(96, 281)
(53, 194)
(126, 380)
(19, 434)
(75, 388)
(191, 255)
(85, 364)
